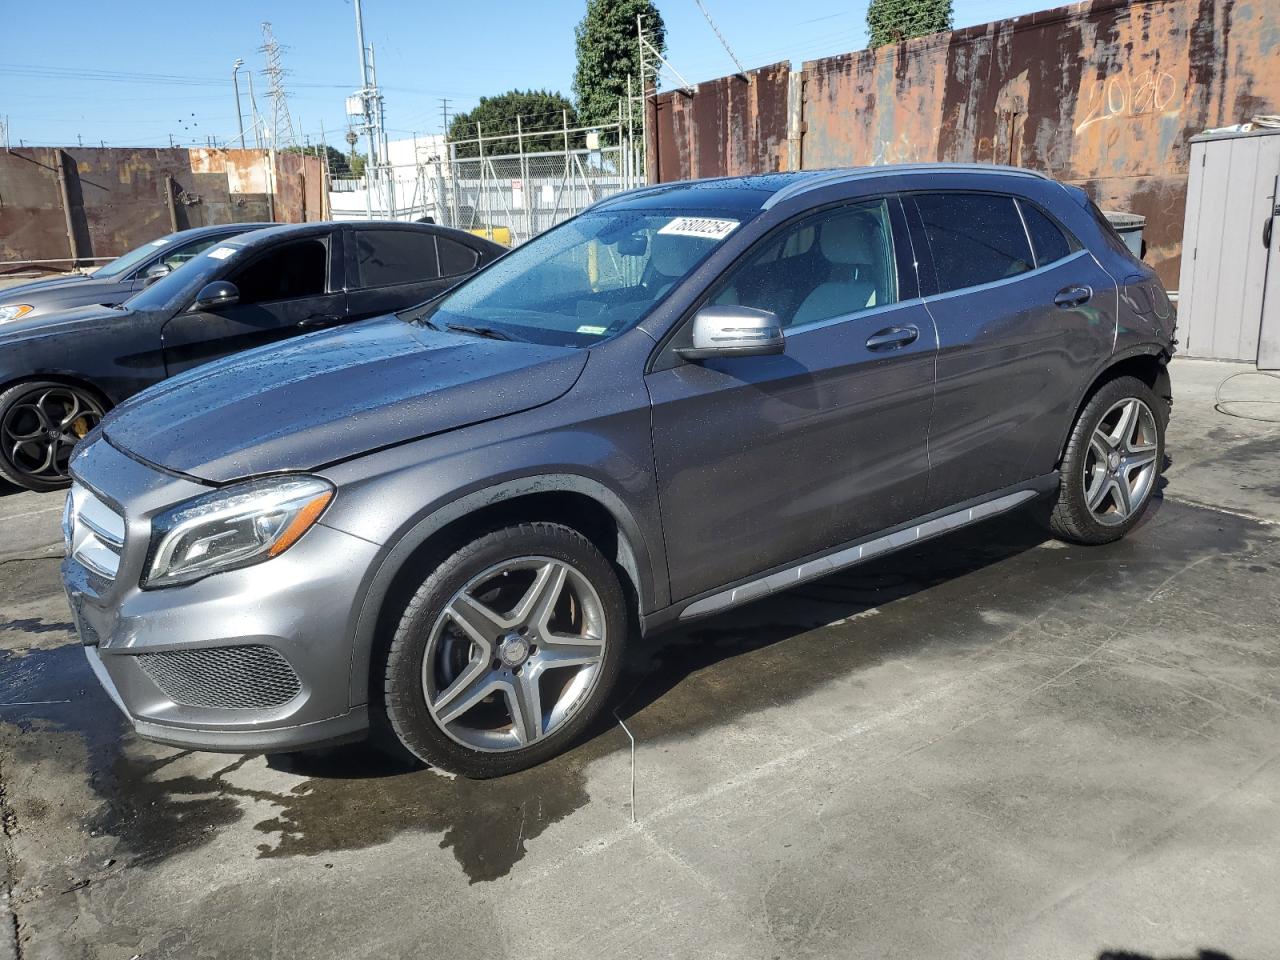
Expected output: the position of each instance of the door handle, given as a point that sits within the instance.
(1266, 229)
(324, 320)
(891, 338)
(1072, 296)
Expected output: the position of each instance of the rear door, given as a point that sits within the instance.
(1019, 330)
(396, 267)
(292, 287)
(762, 461)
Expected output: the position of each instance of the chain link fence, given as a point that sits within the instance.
(496, 187)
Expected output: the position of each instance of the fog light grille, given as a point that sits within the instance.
(225, 678)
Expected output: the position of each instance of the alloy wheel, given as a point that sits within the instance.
(514, 654)
(42, 427)
(1120, 468)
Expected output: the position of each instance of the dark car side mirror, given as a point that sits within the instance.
(155, 272)
(220, 293)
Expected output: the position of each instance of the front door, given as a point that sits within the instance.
(287, 290)
(764, 460)
(1018, 332)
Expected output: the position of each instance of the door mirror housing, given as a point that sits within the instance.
(220, 293)
(729, 331)
(155, 272)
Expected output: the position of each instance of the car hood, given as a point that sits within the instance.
(59, 320)
(61, 292)
(9, 294)
(330, 396)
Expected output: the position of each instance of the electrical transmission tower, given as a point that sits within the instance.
(282, 134)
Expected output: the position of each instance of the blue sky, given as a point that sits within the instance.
(95, 69)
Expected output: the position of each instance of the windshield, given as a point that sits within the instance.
(174, 290)
(592, 277)
(123, 264)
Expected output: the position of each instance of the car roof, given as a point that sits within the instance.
(288, 231)
(214, 229)
(760, 192)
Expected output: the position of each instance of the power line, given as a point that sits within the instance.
(719, 36)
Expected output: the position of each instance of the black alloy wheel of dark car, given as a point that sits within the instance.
(41, 421)
(506, 652)
(1112, 464)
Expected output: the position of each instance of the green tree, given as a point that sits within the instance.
(538, 110)
(608, 50)
(892, 21)
(341, 166)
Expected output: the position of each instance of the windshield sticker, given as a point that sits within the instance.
(587, 328)
(709, 228)
(221, 253)
(160, 243)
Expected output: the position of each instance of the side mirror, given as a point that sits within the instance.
(727, 331)
(155, 272)
(220, 293)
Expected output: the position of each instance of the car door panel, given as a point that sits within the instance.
(193, 337)
(1009, 356)
(763, 460)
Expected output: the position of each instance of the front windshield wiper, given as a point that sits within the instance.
(488, 333)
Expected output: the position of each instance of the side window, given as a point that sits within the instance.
(975, 238)
(455, 257)
(384, 257)
(288, 272)
(1048, 242)
(180, 255)
(833, 263)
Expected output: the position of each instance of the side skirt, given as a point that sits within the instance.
(931, 525)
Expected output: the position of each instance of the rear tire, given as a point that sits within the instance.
(1112, 463)
(507, 652)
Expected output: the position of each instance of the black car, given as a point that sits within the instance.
(117, 281)
(61, 372)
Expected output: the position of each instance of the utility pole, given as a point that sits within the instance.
(282, 133)
(235, 85)
(444, 116)
(366, 96)
(253, 111)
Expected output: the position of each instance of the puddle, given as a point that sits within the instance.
(935, 600)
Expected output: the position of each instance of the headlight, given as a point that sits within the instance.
(14, 311)
(235, 527)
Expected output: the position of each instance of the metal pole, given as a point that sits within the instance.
(370, 167)
(524, 181)
(253, 110)
(235, 85)
(568, 175)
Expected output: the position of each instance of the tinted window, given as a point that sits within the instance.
(837, 262)
(288, 272)
(395, 256)
(1046, 239)
(455, 258)
(1114, 240)
(975, 238)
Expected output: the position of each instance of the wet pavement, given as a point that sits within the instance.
(991, 745)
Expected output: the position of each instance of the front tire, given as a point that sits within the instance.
(41, 421)
(1112, 463)
(506, 652)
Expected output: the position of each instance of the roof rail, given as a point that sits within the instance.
(826, 178)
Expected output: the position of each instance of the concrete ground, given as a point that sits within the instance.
(992, 746)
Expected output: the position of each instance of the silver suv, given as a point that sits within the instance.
(445, 524)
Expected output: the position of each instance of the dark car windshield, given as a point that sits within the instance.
(174, 290)
(589, 278)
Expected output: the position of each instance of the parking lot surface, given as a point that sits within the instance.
(994, 745)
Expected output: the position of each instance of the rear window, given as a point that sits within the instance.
(386, 257)
(1047, 240)
(455, 258)
(975, 238)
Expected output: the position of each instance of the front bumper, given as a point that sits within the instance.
(180, 661)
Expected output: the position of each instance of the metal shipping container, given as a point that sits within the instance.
(1229, 291)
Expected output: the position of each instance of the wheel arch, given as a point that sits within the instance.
(57, 376)
(1147, 362)
(576, 501)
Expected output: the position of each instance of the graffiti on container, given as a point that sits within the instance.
(901, 149)
(1150, 91)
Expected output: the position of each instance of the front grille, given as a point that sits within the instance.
(94, 532)
(225, 678)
